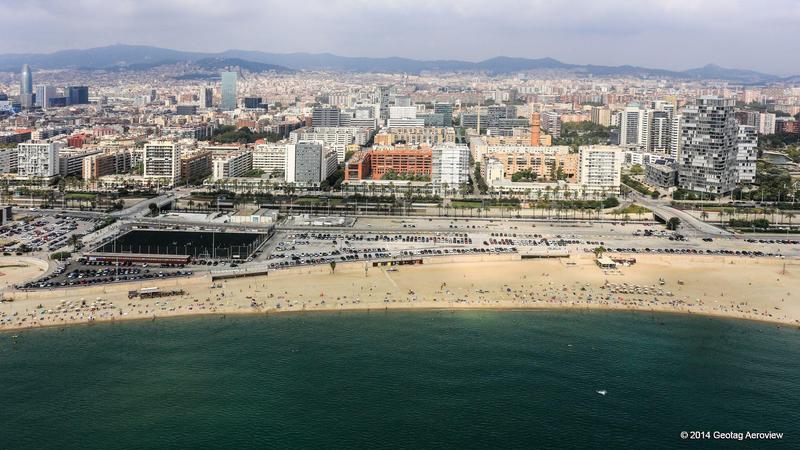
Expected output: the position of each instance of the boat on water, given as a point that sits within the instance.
(602, 392)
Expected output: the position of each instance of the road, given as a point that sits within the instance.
(666, 212)
(142, 208)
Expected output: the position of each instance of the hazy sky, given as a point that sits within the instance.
(670, 34)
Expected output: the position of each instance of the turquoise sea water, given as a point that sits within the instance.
(468, 379)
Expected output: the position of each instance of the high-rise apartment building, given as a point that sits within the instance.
(229, 80)
(675, 136)
(162, 160)
(8, 160)
(384, 94)
(746, 154)
(766, 123)
(632, 126)
(336, 138)
(551, 123)
(326, 116)
(38, 160)
(601, 116)
(450, 165)
(709, 146)
(650, 129)
(309, 162)
(600, 167)
(269, 158)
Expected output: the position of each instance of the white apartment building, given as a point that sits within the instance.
(232, 165)
(404, 116)
(269, 158)
(402, 112)
(675, 136)
(162, 160)
(766, 123)
(600, 167)
(746, 155)
(38, 160)
(336, 138)
(653, 129)
(450, 164)
(309, 162)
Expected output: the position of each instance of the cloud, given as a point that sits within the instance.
(674, 34)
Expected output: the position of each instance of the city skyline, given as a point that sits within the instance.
(611, 32)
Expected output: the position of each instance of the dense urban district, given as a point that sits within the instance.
(159, 179)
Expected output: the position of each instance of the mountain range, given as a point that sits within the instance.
(139, 57)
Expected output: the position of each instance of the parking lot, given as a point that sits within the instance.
(371, 239)
(43, 233)
(87, 273)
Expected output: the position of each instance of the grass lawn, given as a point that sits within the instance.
(79, 196)
(465, 204)
(632, 209)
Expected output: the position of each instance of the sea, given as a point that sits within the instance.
(403, 379)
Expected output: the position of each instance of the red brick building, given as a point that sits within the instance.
(373, 164)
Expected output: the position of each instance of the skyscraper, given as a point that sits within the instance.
(446, 110)
(228, 91)
(206, 97)
(77, 95)
(43, 95)
(708, 155)
(26, 81)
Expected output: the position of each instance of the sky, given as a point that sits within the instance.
(669, 34)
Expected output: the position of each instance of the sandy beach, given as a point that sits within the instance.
(745, 288)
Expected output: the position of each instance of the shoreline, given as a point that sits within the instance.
(503, 284)
(424, 309)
